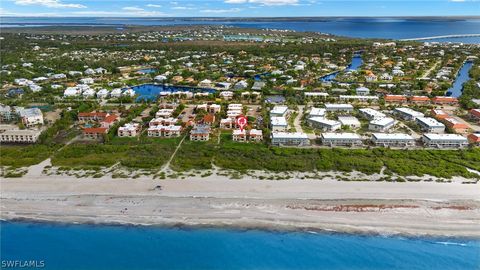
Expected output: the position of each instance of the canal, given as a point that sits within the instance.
(354, 65)
(462, 77)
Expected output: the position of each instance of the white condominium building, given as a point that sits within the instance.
(341, 139)
(392, 139)
(444, 140)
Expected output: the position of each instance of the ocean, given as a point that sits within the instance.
(390, 28)
(60, 246)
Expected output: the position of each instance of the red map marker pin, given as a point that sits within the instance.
(241, 122)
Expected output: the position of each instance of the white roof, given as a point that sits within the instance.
(278, 121)
(279, 110)
(168, 128)
(319, 94)
(256, 132)
(357, 97)
(382, 121)
(333, 136)
(325, 121)
(392, 136)
(440, 137)
(349, 120)
(239, 132)
(362, 88)
(430, 122)
(371, 112)
(409, 112)
(24, 132)
(129, 126)
(339, 106)
(289, 135)
(317, 111)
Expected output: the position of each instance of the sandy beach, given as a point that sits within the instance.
(412, 208)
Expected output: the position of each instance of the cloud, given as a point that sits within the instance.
(48, 3)
(127, 13)
(230, 10)
(182, 8)
(133, 9)
(264, 2)
(154, 6)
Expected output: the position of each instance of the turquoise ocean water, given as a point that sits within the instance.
(138, 247)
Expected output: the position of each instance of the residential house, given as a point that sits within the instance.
(455, 125)
(164, 113)
(129, 130)
(6, 114)
(209, 119)
(362, 91)
(167, 131)
(395, 98)
(475, 115)
(239, 135)
(95, 133)
(31, 117)
(445, 100)
(255, 135)
(84, 117)
(419, 99)
(160, 121)
(200, 133)
(439, 114)
(474, 139)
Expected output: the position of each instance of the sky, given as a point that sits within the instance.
(237, 8)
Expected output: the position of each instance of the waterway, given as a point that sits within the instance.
(353, 66)
(462, 77)
(150, 92)
(368, 27)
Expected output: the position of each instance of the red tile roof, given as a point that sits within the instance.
(111, 118)
(475, 112)
(92, 114)
(395, 98)
(474, 138)
(444, 99)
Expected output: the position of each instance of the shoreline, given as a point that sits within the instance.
(371, 208)
(267, 229)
